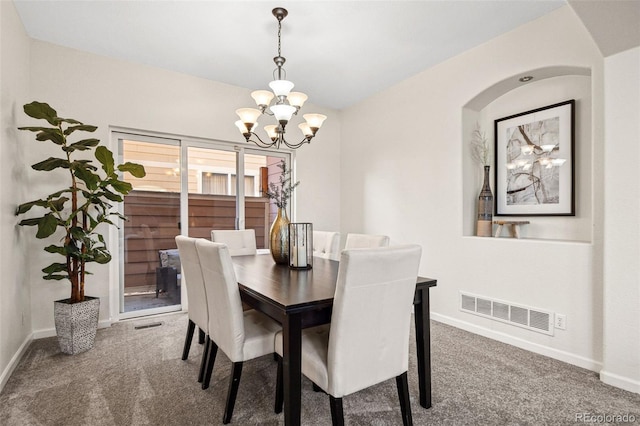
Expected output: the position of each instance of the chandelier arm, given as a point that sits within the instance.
(297, 145)
(260, 142)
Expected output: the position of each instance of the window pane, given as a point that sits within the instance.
(152, 270)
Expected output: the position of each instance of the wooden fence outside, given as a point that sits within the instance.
(154, 221)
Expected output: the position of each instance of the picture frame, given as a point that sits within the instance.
(534, 162)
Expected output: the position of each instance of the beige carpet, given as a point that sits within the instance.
(136, 377)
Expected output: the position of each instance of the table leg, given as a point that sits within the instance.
(423, 345)
(291, 366)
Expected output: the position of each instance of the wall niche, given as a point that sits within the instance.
(549, 86)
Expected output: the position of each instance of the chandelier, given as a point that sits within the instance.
(285, 105)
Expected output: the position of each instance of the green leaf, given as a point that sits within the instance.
(40, 110)
(84, 163)
(102, 256)
(30, 222)
(50, 164)
(52, 135)
(120, 186)
(83, 127)
(111, 196)
(69, 120)
(23, 208)
(58, 205)
(37, 129)
(55, 267)
(82, 145)
(78, 233)
(105, 157)
(136, 170)
(56, 249)
(89, 178)
(47, 226)
(56, 277)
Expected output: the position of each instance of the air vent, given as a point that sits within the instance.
(533, 319)
(148, 325)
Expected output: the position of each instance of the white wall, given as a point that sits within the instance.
(15, 315)
(402, 175)
(106, 92)
(622, 226)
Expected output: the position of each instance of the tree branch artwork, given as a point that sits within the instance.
(534, 162)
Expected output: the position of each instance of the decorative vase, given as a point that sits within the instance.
(485, 208)
(76, 324)
(279, 237)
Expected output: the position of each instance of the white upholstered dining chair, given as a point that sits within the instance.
(242, 336)
(367, 341)
(326, 244)
(240, 242)
(366, 241)
(196, 294)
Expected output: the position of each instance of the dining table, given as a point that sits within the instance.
(302, 298)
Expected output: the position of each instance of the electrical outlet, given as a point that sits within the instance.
(561, 322)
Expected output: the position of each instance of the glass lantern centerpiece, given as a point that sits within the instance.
(300, 245)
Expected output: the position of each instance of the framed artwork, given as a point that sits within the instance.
(534, 171)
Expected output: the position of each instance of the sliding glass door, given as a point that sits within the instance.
(191, 188)
(150, 278)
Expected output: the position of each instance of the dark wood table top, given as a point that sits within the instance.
(293, 289)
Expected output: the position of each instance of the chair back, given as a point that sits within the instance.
(226, 321)
(366, 241)
(240, 242)
(326, 244)
(371, 319)
(196, 293)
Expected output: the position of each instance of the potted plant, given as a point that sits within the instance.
(75, 212)
(279, 234)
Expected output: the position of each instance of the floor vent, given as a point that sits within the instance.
(149, 325)
(521, 316)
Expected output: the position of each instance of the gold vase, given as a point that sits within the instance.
(279, 237)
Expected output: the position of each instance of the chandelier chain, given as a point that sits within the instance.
(279, 31)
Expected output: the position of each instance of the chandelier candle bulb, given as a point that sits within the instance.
(272, 131)
(306, 130)
(262, 97)
(315, 120)
(283, 112)
(248, 115)
(281, 87)
(297, 99)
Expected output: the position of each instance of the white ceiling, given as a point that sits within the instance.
(338, 52)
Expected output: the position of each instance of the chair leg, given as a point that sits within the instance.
(203, 362)
(337, 415)
(201, 335)
(211, 359)
(405, 402)
(234, 383)
(187, 341)
(279, 391)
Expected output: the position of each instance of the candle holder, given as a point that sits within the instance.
(300, 245)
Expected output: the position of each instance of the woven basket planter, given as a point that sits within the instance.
(76, 324)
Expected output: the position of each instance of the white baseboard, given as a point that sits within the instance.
(51, 332)
(15, 360)
(620, 381)
(567, 357)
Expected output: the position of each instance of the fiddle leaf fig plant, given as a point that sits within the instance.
(83, 204)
